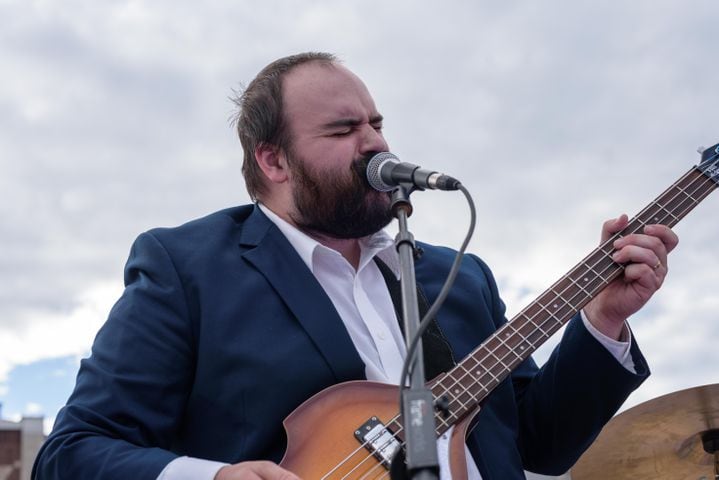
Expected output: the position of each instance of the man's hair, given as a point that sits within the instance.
(260, 119)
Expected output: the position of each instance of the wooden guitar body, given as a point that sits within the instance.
(320, 432)
(321, 442)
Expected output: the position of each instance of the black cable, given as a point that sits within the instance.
(427, 319)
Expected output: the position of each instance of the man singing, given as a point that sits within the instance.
(229, 322)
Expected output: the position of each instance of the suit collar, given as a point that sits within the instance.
(378, 244)
(254, 228)
(273, 256)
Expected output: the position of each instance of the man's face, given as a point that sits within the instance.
(334, 129)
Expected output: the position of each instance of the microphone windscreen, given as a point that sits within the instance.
(374, 171)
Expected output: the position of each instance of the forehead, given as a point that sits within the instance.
(315, 94)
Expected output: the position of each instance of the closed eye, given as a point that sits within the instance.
(342, 133)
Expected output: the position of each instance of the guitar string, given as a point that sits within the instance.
(704, 180)
(640, 223)
(517, 332)
(637, 218)
(498, 360)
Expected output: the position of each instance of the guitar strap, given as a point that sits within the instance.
(438, 356)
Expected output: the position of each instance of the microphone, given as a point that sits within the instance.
(385, 172)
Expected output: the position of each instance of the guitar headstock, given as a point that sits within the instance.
(709, 165)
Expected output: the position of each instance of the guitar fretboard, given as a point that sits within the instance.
(468, 383)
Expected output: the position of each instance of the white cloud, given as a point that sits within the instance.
(557, 117)
(33, 409)
(52, 334)
(47, 424)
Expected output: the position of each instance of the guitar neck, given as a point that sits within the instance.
(468, 383)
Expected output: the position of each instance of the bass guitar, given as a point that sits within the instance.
(352, 430)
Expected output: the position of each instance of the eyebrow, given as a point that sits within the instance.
(353, 122)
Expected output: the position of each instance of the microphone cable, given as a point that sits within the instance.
(444, 292)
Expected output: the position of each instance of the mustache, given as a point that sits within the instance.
(359, 167)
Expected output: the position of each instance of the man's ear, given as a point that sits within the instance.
(273, 162)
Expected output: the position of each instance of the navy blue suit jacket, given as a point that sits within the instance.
(222, 331)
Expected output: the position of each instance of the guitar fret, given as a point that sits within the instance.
(559, 296)
(669, 212)
(467, 384)
(661, 213)
(465, 375)
(499, 348)
(489, 372)
(443, 423)
(467, 390)
(691, 197)
(512, 350)
(466, 372)
(541, 330)
(498, 359)
(455, 410)
(569, 288)
(552, 315)
(528, 317)
(530, 320)
(546, 310)
(537, 327)
(456, 392)
(458, 405)
(592, 270)
(524, 339)
(477, 365)
(581, 288)
(475, 400)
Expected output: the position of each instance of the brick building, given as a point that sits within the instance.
(19, 444)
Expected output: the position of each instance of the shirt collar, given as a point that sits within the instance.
(378, 244)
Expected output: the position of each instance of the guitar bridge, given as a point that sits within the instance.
(379, 440)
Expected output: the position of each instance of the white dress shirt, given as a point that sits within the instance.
(364, 304)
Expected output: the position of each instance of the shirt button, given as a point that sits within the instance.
(381, 335)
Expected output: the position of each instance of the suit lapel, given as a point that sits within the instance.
(272, 255)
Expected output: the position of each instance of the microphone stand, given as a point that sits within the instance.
(417, 402)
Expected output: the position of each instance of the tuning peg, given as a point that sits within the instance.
(701, 149)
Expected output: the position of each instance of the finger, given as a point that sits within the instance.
(272, 471)
(634, 254)
(610, 227)
(254, 470)
(645, 276)
(643, 242)
(663, 233)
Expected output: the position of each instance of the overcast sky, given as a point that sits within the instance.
(556, 115)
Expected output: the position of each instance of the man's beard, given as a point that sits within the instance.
(337, 204)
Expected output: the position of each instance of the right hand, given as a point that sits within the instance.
(259, 470)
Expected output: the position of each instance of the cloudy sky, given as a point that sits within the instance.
(556, 115)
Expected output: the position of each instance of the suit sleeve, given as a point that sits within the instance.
(563, 405)
(131, 391)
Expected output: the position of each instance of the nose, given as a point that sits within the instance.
(373, 140)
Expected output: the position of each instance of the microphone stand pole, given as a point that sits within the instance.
(417, 402)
